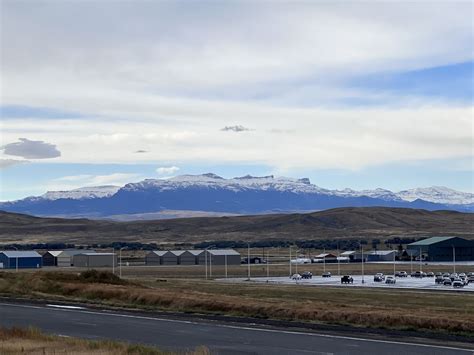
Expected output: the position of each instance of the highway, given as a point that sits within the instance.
(178, 334)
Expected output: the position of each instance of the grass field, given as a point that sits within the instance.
(16, 341)
(395, 309)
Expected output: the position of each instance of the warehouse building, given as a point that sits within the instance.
(62, 258)
(220, 257)
(381, 255)
(169, 258)
(153, 258)
(95, 260)
(197, 254)
(20, 259)
(186, 257)
(325, 257)
(442, 249)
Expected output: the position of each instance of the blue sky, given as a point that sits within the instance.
(359, 95)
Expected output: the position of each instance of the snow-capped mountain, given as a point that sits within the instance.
(82, 193)
(437, 194)
(240, 195)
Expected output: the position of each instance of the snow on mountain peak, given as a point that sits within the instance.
(82, 193)
(437, 194)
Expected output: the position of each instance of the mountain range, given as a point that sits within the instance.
(210, 193)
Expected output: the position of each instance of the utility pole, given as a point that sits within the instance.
(290, 260)
(113, 260)
(225, 258)
(454, 259)
(362, 252)
(205, 262)
(248, 261)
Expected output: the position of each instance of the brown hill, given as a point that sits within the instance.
(366, 222)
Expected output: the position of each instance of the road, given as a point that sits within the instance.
(177, 334)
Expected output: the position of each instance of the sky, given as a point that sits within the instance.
(359, 94)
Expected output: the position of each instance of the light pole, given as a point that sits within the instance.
(338, 261)
(454, 259)
(394, 264)
(120, 261)
(290, 260)
(113, 260)
(248, 261)
(16, 258)
(205, 262)
(324, 260)
(362, 253)
(268, 266)
(296, 263)
(225, 261)
(420, 262)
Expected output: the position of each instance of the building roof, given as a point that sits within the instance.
(97, 254)
(223, 252)
(21, 254)
(72, 252)
(381, 252)
(178, 252)
(430, 241)
(196, 252)
(325, 255)
(54, 252)
(159, 252)
(349, 252)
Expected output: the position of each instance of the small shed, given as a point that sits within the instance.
(20, 259)
(62, 258)
(50, 258)
(95, 260)
(153, 258)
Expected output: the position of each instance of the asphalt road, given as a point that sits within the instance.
(220, 338)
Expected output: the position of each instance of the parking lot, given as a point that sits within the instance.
(426, 283)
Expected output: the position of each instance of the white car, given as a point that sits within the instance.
(296, 277)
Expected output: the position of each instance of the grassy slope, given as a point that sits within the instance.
(397, 309)
(337, 223)
(31, 341)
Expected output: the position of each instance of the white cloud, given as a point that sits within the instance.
(164, 78)
(167, 170)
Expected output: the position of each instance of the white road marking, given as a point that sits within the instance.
(62, 306)
(105, 313)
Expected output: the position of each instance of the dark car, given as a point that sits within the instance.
(439, 279)
(447, 282)
(379, 277)
(307, 275)
(327, 274)
(346, 279)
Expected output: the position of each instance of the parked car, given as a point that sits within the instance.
(439, 279)
(439, 274)
(462, 275)
(379, 277)
(418, 274)
(296, 277)
(470, 279)
(390, 280)
(430, 274)
(346, 279)
(458, 283)
(453, 276)
(447, 282)
(326, 274)
(307, 275)
(446, 274)
(401, 274)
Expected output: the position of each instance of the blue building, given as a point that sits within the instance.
(11, 259)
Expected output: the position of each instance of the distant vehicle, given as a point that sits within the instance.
(301, 261)
(470, 279)
(462, 275)
(296, 277)
(439, 279)
(453, 276)
(420, 274)
(439, 274)
(390, 280)
(447, 282)
(326, 274)
(379, 277)
(307, 275)
(430, 274)
(470, 274)
(458, 283)
(446, 274)
(401, 274)
(346, 279)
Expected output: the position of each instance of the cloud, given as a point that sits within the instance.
(31, 149)
(141, 151)
(237, 128)
(169, 170)
(6, 163)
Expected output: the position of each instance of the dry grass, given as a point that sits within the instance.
(399, 309)
(31, 341)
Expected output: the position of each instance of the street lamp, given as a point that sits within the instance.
(454, 259)
(248, 261)
(16, 258)
(362, 254)
(120, 260)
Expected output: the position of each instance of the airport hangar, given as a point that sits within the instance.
(443, 249)
(20, 259)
